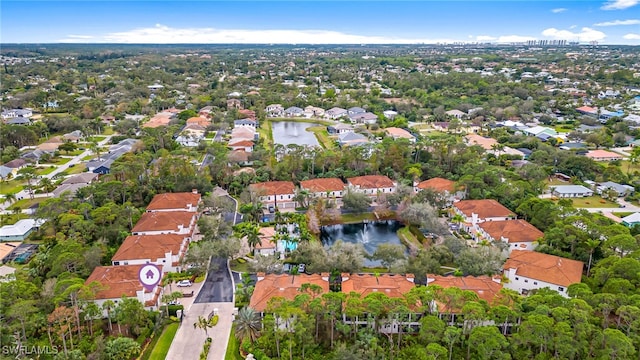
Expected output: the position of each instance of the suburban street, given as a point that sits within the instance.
(216, 293)
(23, 194)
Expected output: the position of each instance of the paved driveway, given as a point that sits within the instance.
(218, 286)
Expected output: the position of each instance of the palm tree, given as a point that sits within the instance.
(591, 244)
(457, 219)
(47, 185)
(204, 324)
(108, 306)
(247, 324)
(253, 236)
(10, 197)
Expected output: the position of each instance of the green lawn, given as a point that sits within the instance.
(233, 348)
(323, 136)
(628, 168)
(25, 203)
(62, 161)
(96, 138)
(621, 214)
(108, 130)
(161, 348)
(355, 218)
(593, 202)
(10, 219)
(211, 134)
(239, 267)
(88, 157)
(408, 239)
(45, 171)
(11, 187)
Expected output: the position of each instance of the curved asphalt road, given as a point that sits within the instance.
(218, 286)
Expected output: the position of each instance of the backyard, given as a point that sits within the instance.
(11, 187)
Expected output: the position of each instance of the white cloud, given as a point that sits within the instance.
(619, 4)
(632, 36)
(585, 35)
(485, 38)
(162, 34)
(619, 22)
(573, 26)
(558, 10)
(514, 38)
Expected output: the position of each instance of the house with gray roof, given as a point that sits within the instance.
(352, 139)
(245, 123)
(5, 171)
(620, 189)
(20, 230)
(335, 113)
(631, 220)
(19, 121)
(571, 191)
(83, 178)
(355, 110)
(293, 111)
(339, 129)
(364, 118)
(16, 113)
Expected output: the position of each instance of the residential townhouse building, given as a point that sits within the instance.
(182, 201)
(166, 222)
(275, 194)
(372, 185)
(529, 270)
(329, 188)
(286, 286)
(475, 212)
(122, 281)
(518, 234)
(166, 251)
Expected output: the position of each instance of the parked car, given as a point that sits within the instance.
(184, 283)
(301, 268)
(174, 302)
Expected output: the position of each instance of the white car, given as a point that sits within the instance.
(184, 283)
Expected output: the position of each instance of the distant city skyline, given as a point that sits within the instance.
(319, 22)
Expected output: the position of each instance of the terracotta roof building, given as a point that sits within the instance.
(183, 201)
(118, 281)
(486, 287)
(275, 193)
(530, 270)
(476, 211)
(437, 184)
(282, 285)
(165, 250)
(199, 120)
(389, 284)
(324, 187)
(372, 184)
(519, 234)
(266, 246)
(165, 222)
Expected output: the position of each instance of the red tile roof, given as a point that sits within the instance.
(266, 234)
(399, 133)
(174, 201)
(286, 286)
(273, 188)
(548, 268)
(389, 284)
(438, 184)
(514, 230)
(241, 142)
(371, 181)
(486, 287)
(117, 281)
(148, 247)
(484, 208)
(163, 221)
(204, 122)
(322, 185)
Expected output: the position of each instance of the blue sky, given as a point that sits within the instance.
(605, 21)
